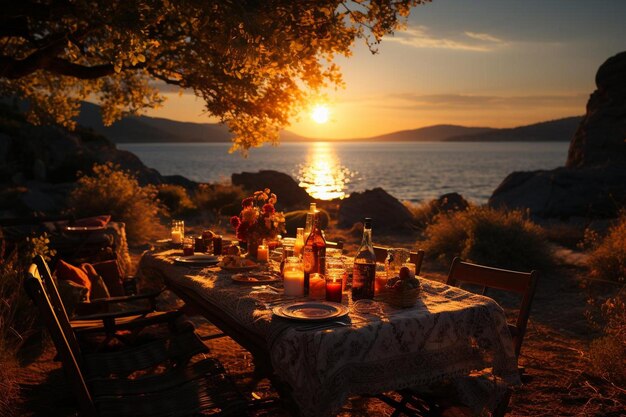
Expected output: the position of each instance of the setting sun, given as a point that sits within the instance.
(320, 114)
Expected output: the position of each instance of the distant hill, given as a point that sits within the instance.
(561, 130)
(155, 129)
(435, 133)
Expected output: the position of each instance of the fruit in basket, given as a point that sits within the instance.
(398, 283)
(233, 250)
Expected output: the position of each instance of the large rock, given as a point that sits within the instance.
(600, 138)
(386, 211)
(594, 192)
(593, 182)
(290, 194)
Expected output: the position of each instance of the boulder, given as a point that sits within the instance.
(386, 211)
(594, 192)
(593, 182)
(290, 194)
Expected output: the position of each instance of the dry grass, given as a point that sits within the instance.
(219, 198)
(111, 190)
(607, 258)
(175, 199)
(505, 239)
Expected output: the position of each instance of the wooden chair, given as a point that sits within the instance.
(485, 277)
(414, 257)
(109, 323)
(182, 390)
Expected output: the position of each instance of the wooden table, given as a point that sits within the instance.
(449, 333)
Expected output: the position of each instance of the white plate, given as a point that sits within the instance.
(83, 228)
(197, 260)
(259, 278)
(311, 310)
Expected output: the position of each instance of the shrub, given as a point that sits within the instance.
(607, 258)
(504, 239)
(175, 199)
(111, 190)
(608, 353)
(17, 314)
(423, 213)
(220, 198)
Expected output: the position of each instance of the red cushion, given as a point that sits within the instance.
(65, 271)
(96, 221)
(112, 276)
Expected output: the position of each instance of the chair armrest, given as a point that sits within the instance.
(151, 296)
(111, 315)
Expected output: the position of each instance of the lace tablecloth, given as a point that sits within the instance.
(447, 335)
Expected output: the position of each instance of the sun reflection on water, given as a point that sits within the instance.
(322, 175)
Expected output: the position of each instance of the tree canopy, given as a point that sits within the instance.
(255, 63)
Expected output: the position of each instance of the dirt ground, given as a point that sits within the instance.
(557, 381)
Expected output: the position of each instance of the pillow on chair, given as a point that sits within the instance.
(68, 272)
(110, 273)
(96, 221)
(72, 295)
(98, 287)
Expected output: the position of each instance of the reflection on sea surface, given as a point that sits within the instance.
(322, 175)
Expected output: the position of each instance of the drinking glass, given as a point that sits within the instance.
(188, 245)
(396, 257)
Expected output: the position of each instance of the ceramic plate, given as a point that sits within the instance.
(197, 260)
(83, 228)
(311, 310)
(259, 278)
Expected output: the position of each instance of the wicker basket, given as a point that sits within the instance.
(402, 299)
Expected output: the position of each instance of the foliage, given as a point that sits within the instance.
(17, 314)
(487, 236)
(175, 199)
(607, 258)
(423, 213)
(258, 218)
(608, 353)
(111, 190)
(255, 63)
(219, 198)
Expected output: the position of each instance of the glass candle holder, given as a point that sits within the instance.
(178, 231)
(317, 286)
(263, 253)
(336, 269)
(293, 277)
(334, 286)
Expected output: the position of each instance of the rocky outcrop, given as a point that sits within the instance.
(450, 202)
(593, 182)
(290, 194)
(601, 136)
(387, 212)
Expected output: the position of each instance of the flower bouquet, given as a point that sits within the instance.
(258, 220)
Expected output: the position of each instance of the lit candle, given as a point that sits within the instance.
(317, 286)
(380, 282)
(333, 290)
(293, 282)
(177, 236)
(262, 254)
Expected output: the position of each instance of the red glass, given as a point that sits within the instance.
(217, 245)
(188, 251)
(333, 291)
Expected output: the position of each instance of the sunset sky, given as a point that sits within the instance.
(497, 63)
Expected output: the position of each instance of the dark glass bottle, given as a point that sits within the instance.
(314, 252)
(364, 273)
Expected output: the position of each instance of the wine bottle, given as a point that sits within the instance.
(314, 253)
(364, 272)
(309, 220)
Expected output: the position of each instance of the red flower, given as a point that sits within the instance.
(268, 209)
(235, 221)
(247, 202)
(242, 231)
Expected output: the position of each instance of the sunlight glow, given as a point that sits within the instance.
(322, 175)
(320, 114)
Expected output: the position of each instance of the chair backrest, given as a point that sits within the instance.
(35, 289)
(56, 302)
(415, 257)
(522, 283)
